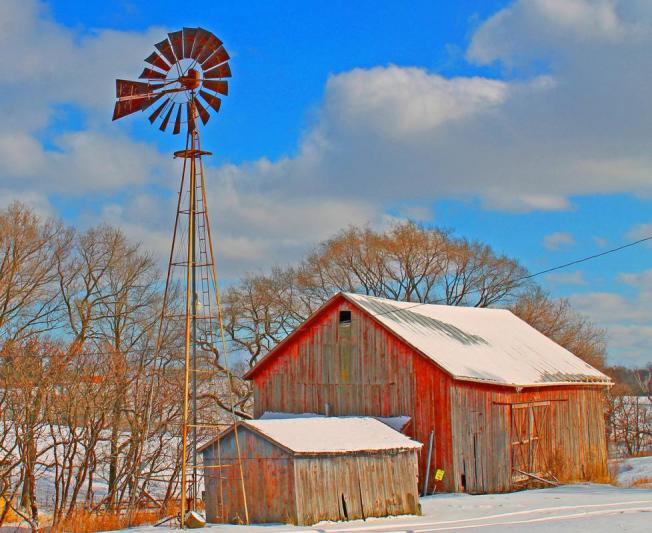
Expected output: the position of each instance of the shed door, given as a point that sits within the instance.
(529, 442)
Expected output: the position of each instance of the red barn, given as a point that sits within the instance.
(502, 403)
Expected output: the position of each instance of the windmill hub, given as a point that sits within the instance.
(191, 80)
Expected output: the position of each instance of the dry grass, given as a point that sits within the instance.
(86, 522)
(641, 482)
(646, 453)
(11, 516)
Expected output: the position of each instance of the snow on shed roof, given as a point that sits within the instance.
(480, 344)
(331, 435)
(395, 422)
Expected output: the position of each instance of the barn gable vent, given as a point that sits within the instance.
(345, 317)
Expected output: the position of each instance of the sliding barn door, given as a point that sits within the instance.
(530, 443)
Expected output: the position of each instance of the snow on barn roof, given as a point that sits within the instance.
(333, 434)
(330, 435)
(480, 344)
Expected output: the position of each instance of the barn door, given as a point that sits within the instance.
(529, 442)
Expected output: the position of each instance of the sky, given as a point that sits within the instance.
(524, 124)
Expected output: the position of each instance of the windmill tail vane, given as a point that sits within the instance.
(183, 83)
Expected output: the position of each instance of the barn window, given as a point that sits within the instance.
(345, 317)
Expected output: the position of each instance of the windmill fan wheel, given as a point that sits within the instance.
(186, 69)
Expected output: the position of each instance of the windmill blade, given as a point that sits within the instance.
(221, 87)
(191, 116)
(166, 119)
(136, 103)
(129, 88)
(212, 44)
(223, 71)
(189, 36)
(177, 122)
(218, 57)
(152, 94)
(200, 41)
(165, 49)
(176, 39)
(211, 100)
(158, 110)
(131, 97)
(157, 61)
(203, 114)
(151, 74)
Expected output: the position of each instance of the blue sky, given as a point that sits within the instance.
(524, 124)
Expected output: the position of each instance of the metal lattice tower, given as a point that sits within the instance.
(190, 67)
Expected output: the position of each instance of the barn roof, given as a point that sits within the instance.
(330, 435)
(471, 343)
(492, 346)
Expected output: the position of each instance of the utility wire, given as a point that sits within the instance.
(530, 276)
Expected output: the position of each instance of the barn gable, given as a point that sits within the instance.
(334, 367)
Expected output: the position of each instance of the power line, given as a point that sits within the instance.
(588, 258)
(530, 276)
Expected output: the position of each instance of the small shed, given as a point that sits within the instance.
(305, 470)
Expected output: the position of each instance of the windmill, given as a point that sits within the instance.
(186, 78)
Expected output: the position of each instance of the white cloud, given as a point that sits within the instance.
(400, 103)
(640, 231)
(558, 240)
(44, 65)
(543, 25)
(600, 241)
(627, 318)
(567, 278)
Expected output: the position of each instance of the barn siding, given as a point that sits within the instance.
(269, 481)
(573, 443)
(380, 484)
(358, 369)
(432, 413)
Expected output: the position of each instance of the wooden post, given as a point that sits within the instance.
(425, 484)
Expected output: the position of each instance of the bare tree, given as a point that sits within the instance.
(29, 251)
(556, 319)
(406, 262)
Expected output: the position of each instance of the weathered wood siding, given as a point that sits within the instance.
(432, 415)
(303, 490)
(571, 441)
(349, 487)
(269, 481)
(358, 369)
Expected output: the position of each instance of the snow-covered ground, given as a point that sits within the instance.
(569, 508)
(636, 471)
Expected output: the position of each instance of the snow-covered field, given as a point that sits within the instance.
(635, 471)
(570, 508)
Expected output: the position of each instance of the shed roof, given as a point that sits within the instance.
(483, 344)
(492, 346)
(330, 435)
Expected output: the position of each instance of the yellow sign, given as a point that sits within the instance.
(439, 474)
